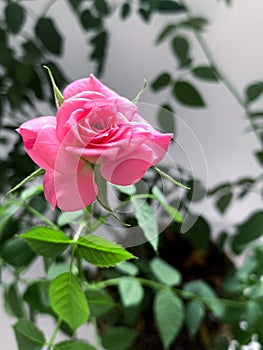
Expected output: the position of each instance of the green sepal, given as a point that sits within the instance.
(57, 94)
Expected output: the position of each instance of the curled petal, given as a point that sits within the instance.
(159, 144)
(70, 192)
(87, 84)
(128, 170)
(30, 131)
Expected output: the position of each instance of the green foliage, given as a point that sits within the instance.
(125, 10)
(169, 316)
(74, 345)
(119, 338)
(161, 81)
(46, 241)
(194, 315)
(28, 335)
(206, 294)
(223, 202)
(14, 16)
(187, 94)
(147, 221)
(68, 300)
(100, 252)
(49, 35)
(127, 268)
(180, 47)
(13, 301)
(131, 291)
(170, 6)
(253, 92)
(199, 234)
(100, 302)
(16, 252)
(88, 21)
(205, 73)
(166, 118)
(165, 273)
(36, 296)
(247, 232)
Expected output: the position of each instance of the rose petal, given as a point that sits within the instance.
(87, 84)
(30, 131)
(70, 192)
(159, 144)
(47, 150)
(128, 170)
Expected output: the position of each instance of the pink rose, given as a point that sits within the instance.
(94, 126)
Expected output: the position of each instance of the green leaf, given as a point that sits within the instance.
(31, 177)
(100, 302)
(14, 16)
(205, 73)
(224, 201)
(59, 99)
(259, 156)
(169, 316)
(258, 114)
(16, 252)
(170, 6)
(32, 54)
(119, 338)
(199, 234)
(128, 268)
(100, 252)
(195, 313)
(73, 345)
(165, 273)
(225, 187)
(46, 241)
(57, 269)
(125, 10)
(253, 91)
(31, 192)
(131, 291)
(36, 296)
(187, 94)
(6, 213)
(253, 313)
(209, 297)
(48, 34)
(180, 48)
(168, 30)
(166, 118)
(161, 81)
(68, 300)
(14, 301)
(247, 232)
(88, 21)
(102, 7)
(147, 221)
(28, 336)
(196, 23)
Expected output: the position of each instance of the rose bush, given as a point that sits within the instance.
(93, 127)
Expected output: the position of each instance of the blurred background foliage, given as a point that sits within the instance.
(228, 299)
